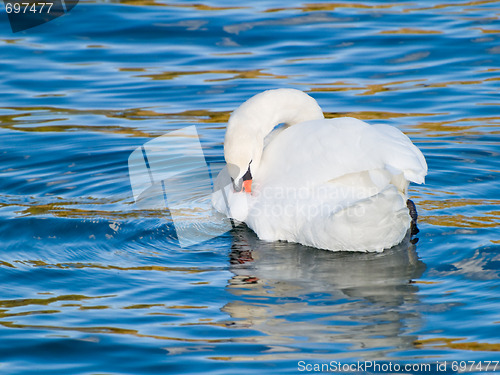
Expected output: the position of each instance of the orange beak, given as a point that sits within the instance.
(247, 186)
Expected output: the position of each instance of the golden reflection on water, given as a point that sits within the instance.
(232, 73)
(455, 83)
(7, 305)
(409, 31)
(5, 313)
(99, 307)
(195, 6)
(19, 121)
(312, 7)
(132, 69)
(369, 89)
(406, 7)
(81, 265)
(143, 306)
(411, 84)
(12, 40)
(454, 203)
(109, 330)
(26, 118)
(58, 210)
(487, 31)
(447, 128)
(45, 301)
(6, 264)
(321, 7)
(460, 5)
(489, 219)
(451, 343)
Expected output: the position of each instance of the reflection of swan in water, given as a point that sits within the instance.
(353, 301)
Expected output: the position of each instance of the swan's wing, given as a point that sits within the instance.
(400, 154)
(322, 150)
(311, 152)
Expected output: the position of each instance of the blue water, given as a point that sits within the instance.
(90, 283)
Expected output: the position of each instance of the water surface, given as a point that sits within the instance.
(90, 283)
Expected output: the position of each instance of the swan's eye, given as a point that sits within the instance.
(248, 175)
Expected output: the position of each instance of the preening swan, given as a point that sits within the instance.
(336, 184)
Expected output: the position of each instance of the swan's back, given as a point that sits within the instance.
(318, 151)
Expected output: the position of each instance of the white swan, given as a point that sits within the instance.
(336, 184)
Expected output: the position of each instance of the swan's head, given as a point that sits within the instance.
(242, 153)
(250, 123)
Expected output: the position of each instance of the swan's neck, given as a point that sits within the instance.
(263, 112)
(257, 117)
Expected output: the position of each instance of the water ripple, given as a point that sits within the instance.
(92, 282)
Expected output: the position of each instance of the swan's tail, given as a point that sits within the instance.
(369, 225)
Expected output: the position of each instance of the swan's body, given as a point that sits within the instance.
(337, 184)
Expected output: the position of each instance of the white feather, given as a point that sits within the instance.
(337, 184)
